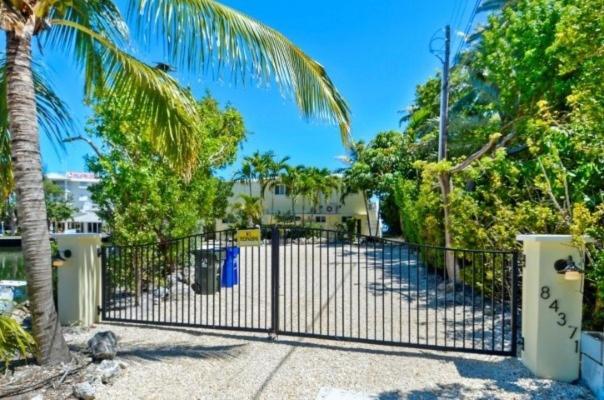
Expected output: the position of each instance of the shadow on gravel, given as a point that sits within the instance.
(178, 350)
(345, 347)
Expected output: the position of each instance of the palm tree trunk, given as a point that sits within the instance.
(25, 152)
(367, 212)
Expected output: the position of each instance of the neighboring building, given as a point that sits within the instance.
(330, 213)
(75, 185)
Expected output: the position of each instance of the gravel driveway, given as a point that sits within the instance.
(186, 363)
(337, 289)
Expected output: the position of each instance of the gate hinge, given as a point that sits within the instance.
(521, 343)
(99, 310)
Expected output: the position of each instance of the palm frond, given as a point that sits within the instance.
(168, 111)
(101, 16)
(198, 32)
(492, 5)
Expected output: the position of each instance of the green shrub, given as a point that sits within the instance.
(14, 340)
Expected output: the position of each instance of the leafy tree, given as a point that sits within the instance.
(57, 206)
(525, 135)
(194, 34)
(139, 196)
(358, 177)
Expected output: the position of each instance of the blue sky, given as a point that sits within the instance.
(375, 52)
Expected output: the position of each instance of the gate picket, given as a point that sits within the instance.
(309, 282)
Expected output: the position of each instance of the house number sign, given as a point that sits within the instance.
(556, 307)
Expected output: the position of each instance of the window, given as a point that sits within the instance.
(320, 218)
(280, 190)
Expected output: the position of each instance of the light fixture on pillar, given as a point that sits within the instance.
(57, 260)
(570, 270)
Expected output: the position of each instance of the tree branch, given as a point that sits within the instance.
(493, 144)
(550, 191)
(84, 139)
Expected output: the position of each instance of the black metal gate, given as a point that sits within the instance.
(308, 282)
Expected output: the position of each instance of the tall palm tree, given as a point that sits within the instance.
(305, 186)
(246, 174)
(290, 178)
(93, 33)
(325, 184)
(261, 163)
(274, 170)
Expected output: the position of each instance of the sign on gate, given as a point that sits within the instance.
(248, 237)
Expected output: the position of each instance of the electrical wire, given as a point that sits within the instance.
(464, 40)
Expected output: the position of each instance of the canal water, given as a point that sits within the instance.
(11, 264)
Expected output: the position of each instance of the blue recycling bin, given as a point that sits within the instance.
(230, 269)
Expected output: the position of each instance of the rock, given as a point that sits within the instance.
(37, 397)
(108, 369)
(84, 391)
(446, 287)
(460, 299)
(161, 293)
(103, 346)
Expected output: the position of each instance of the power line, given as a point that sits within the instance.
(456, 13)
(464, 41)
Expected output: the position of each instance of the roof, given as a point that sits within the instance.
(72, 176)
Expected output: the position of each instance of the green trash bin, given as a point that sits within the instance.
(207, 270)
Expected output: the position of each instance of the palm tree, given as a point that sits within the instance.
(94, 34)
(246, 174)
(325, 184)
(262, 162)
(290, 178)
(305, 186)
(275, 168)
(249, 209)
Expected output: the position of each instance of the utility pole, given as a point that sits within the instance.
(444, 177)
(444, 99)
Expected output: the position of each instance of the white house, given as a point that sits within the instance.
(329, 213)
(75, 186)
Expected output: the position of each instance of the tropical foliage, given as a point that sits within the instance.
(526, 137)
(14, 340)
(309, 186)
(57, 206)
(194, 34)
(139, 196)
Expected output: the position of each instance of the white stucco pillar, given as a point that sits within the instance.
(551, 308)
(79, 279)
